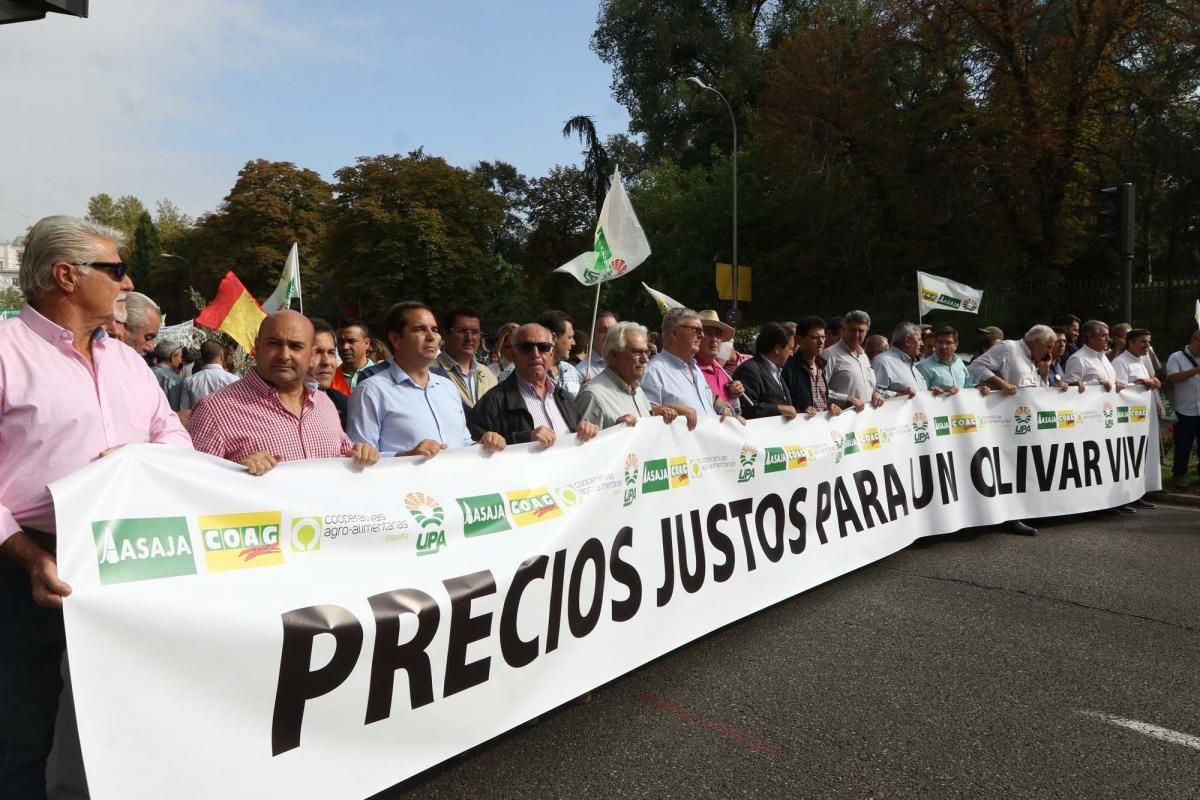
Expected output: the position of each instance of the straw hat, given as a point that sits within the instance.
(710, 317)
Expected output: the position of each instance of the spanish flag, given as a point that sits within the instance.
(235, 312)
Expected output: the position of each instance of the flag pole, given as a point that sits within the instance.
(920, 314)
(587, 371)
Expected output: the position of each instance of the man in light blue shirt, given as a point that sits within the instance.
(673, 378)
(944, 369)
(896, 369)
(407, 410)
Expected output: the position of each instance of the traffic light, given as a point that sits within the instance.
(1117, 219)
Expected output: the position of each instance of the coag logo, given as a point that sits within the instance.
(871, 439)
(780, 459)
(631, 479)
(431, 517)
(964, 423)
(1022, 420)
(305, 534)
(1047, 420)
(678, 470)
(140, 549)
(1108, 415)
(920, 427)
(1066, 419)
(483, 514)
(235, 541)
(1138, 413)
(746, 459)
(530, 506)
(941, 426)
(929, 295)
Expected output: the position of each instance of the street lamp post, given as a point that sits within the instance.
(180, 258)
(699, 84)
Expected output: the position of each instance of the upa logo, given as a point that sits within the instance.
(1047, 420)
(746, 459)
(1022, 420)
(236, 541)
(964, 423)
(141, 549)
(483, 514)
(430, 517)
(1066, 419)
(1108, 415)
(531, 506)
(631, 479)
(941, 426)
(871, 439)
(838, 442)
(920, 428)
(305, 534)
(970, 304)
(1138, 414)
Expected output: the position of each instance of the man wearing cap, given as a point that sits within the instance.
(719, 379)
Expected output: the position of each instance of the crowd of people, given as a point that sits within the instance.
(74, 386)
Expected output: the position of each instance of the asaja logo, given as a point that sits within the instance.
(941, 426)
(1066, 419)
(306, 534)
(431, 517)
(1108, 415)
(920, 427)
(850, 444)
(1047, 420)
(140, 549)
(964, 423)
(235, 541)
(530, 506)
(483, 514)
(1137, 413)
(631, 479)
(780, 459)
(655, 476)
(1122, 415)
(746, 459)
(871, 439)
(678, 470)
(1022, 420)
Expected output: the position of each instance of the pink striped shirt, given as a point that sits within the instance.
(58, 413)
(247, 417)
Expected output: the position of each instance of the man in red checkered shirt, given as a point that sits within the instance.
(271, 414)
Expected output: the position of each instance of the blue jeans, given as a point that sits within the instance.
(1185, 439)
(31, 650)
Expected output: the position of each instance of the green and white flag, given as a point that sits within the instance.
(661, 300)
(620, 244)
(934, 292)
(289, 285)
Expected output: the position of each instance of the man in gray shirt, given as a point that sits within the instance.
(848, 372)
(614, 396)
(206, 380)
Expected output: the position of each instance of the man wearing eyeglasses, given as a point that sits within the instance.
(463, 336)
(673, 379)
(528, 406)
(614, 396)
(68, 396)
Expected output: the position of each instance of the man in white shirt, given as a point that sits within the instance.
(848, 372)
(1183, 372)
(1089, 364)
(1011, 364)
(896, 368)
(1130, 366)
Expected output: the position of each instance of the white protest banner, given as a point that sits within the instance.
(934, 292)
(325, 632)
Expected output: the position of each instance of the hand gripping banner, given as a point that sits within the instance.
(325, 632)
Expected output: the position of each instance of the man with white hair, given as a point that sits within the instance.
(614, 396)
(848, 372)
(1011, 364)
(1089, 365)
(68, 396)
(674, 379)
(896, 368)
(143, 319)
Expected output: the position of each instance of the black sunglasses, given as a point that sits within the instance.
(117, 268)
(527, 347)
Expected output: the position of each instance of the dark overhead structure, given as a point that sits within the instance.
(27, 10)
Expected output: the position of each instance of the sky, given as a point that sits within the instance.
(167, 99)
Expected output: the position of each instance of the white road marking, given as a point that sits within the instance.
(1146, 729)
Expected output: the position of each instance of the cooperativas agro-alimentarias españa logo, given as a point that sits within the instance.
(238, 541)
(140, 549)
(429, 515)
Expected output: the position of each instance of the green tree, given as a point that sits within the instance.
(11, 298)
(144, 253)
(123, 214)
(596, 165)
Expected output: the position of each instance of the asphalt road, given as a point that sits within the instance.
(968, 666)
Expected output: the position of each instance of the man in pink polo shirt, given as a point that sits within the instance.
(68, 395)
(275, 413)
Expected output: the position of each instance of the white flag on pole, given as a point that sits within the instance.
(661, 300)
(620, 244)
(289, 285)
(1198, 313)
(934, 292)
